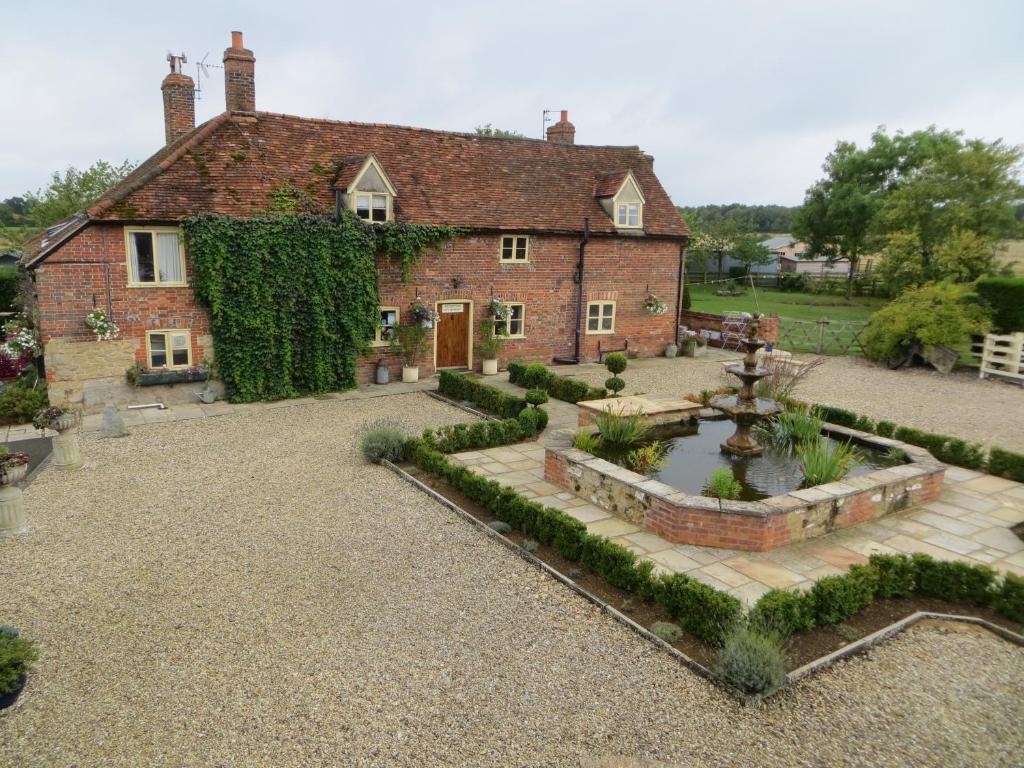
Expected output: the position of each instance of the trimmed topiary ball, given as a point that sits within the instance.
(615, 384)
(616, 362)
(536, 397)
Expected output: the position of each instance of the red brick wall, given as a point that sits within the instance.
(91, 270)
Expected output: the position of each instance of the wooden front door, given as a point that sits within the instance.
(453, 334)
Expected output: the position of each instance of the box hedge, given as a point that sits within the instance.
(539, 376)
(459, 386)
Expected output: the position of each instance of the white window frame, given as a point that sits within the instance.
(378, 341)
(600, 316)
(503, 328)
(622, 215)
(168, 334)
(129, 232)
(516, 239)
(371, 196)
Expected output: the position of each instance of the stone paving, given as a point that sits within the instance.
(971, 522)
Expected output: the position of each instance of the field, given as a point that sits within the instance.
(793, 306)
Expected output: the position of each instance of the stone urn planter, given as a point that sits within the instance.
(12, 503)
(671, 350)
(688, 346)
(410, 374)
(66, 452)
(490, 367)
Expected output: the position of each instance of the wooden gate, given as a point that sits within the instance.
(452, 334)
(1003, 356)
(823, 337)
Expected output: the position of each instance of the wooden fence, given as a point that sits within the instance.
(823, 337)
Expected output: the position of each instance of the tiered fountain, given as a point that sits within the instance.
(745, 408)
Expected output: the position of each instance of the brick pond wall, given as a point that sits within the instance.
(754, 526)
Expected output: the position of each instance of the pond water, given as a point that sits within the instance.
(693, 453)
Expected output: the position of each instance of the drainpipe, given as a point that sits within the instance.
(679, 285)
(579, 296)
(337, 206)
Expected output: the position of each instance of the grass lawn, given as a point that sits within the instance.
(795, 306)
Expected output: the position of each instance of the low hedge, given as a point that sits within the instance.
(459, 386)
(539, 376)
(701, 610)
(833, 599)
(951, 450)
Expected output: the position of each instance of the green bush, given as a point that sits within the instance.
(460, 386)
(536, 397)
(19, 401)
(616, 362)
(837, 598)
(1006, 464)
(961, 453)
(840, 416)
(1004, 296)
(722, 485)
(1009, 599)
(480, 434)
(533, 420)
(516, 371)
(621, 429)
(16, 657)
(383, 439)
(940, 313)
(571, 390)
(700, 609)
(752, 661)
(954, 580)
(8, 289)
(782, 612)
(615, 385)
(897, 575)
(538, 376)
(885, 428)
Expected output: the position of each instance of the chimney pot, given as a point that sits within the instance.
(565, 116)
(239, 76)
(562, 132)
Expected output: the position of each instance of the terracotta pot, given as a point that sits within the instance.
(410, 373)
(490, 367)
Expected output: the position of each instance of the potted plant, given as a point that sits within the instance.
(498, 309)
(688, 343)
(702, 346)
(424, 315)
(66, 453)
(409, 343)
(16, 657)
(13, 468)
(489, 347)
(654, 305)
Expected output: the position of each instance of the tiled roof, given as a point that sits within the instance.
(232, 165)
(608, 183)
(349, 169)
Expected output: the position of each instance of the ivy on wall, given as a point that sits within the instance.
(293, 297)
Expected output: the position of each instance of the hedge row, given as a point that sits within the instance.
(701, 610)
(486, 434)
(951, 450)
(459, 386)
(1005, 295)
(833, 599)
(539, 376)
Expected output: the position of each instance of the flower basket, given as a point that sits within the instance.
(424, 315)
(55, 418)
(654, 305)
(14, 473)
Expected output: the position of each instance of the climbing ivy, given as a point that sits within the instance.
(293, 297)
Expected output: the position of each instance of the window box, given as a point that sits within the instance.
(154, 378)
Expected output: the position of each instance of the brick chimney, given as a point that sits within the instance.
(179, 100)
(562, 132)
(239, 76)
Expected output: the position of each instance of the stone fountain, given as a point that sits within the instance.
(745, 408)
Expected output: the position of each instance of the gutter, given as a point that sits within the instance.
(579, 296)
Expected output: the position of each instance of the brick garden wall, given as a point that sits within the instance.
(91, 271)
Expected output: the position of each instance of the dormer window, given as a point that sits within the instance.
(372, 207)
(628, 215)
(366, 190)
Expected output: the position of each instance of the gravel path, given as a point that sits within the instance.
(989, 412)
(243, 590)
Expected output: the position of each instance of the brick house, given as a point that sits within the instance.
(573, 238)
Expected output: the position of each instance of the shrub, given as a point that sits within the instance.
(824, 461)
(19, 401)
(954, 580)
(615, 384)
(897, 575)
(466, 437)
(796, 425)
(586, 441)
(621, 429)
(722, 485)
(647, 459)
(571, 390)
(840, 416)
(491, 344)
(700, 609)
(409, 342)
(616, 362)
(533, 420)
(538, 376)
(782, 612)
(516, 371)
(837, 598)
(1005, 297)
(536, 397)
(1006, 464)
(963, 454)
(752, 661)
(459, 386)
(383, 439)
(885, 428)
(500, 526)
(16, 657)
(667, 631)
(940, 313)
(795, 282)
(1009, 600)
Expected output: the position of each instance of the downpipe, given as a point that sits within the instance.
(578, 279)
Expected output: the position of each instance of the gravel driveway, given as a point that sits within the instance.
(989, 412)
(243, 590)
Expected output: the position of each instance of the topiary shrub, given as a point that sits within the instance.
(700, 609)
(16, 657)
(752, 661)
(530, 420)
(885, 428)
(383, 439)
(1009, 600)
(954, 580)
(536, 397)
(782, 612)
(516, 370)
(537, 376)
(615, 384)
(616, 362)
(940, 313)
(897, 575)
(837, 598)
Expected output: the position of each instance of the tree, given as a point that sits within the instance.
(490, 130)
(749, 218)
(720, 238)
(73, 191)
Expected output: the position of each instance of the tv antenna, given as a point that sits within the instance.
(203, 70)
(545, 119)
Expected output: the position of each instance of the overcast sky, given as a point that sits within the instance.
(737, 101)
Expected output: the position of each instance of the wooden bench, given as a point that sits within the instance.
(601, 351)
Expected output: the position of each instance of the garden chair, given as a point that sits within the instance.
(734, 329)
